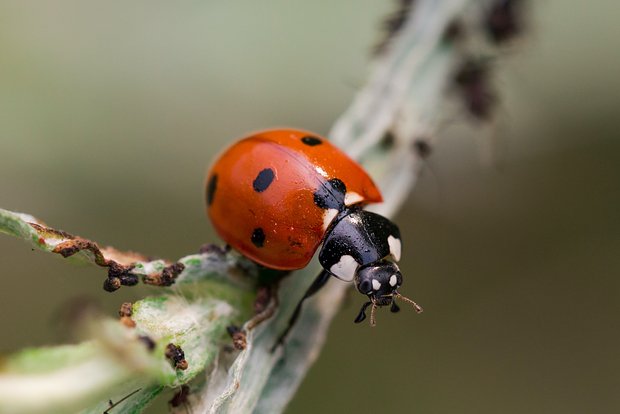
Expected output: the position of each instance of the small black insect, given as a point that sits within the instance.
(504, 20)
(176, 355)
(454, 31)
(472, 79)
(388, 140)
(422, 148)
(180, 397)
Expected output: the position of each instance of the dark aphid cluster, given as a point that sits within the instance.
(473, 83)
(119, 275)
(501, 22)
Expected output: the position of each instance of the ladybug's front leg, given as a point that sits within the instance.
(318, 283)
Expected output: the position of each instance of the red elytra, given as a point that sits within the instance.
(261, 194)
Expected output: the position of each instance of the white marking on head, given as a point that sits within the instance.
(345, 268)
(351, 197)
(328, 217)
(376, 285)
(393, 280)
(394, 247)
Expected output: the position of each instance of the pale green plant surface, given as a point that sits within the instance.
(197, 322)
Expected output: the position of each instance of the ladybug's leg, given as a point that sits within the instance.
(318, 283)
(362, 315)
(265, 305)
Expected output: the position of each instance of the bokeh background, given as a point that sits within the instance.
(110, 112)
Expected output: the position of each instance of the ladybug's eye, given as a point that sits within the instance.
(365, 286)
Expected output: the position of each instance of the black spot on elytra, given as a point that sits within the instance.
(258, 237)
(330, 194)
(263, 180)
(311, 141)
(211, 187)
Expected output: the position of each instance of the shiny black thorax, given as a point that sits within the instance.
(360, 234)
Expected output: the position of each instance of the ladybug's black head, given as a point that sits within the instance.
(380, 282)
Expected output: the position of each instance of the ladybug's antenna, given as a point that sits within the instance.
(373, 303)
(373, 321)
(417, 307)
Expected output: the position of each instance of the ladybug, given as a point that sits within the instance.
(276, 195)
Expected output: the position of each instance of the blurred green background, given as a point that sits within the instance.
(110, 112)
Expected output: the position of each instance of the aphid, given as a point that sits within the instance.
(454, 31)
(473, 80)
(125, 313)
(175, 354)
(422, 148)
(238, 336)
(503, 20)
